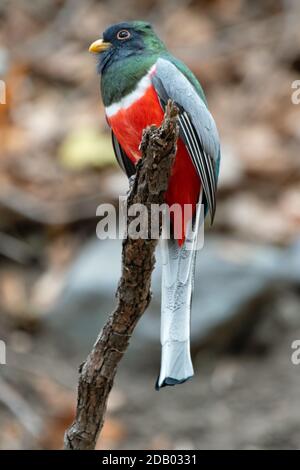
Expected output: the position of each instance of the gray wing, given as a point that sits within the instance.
(125, 163)
(197, 126)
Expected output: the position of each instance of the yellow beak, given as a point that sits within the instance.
(99, 46)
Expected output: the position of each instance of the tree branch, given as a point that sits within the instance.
(133, 294)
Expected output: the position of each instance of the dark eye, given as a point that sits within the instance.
(123, 34)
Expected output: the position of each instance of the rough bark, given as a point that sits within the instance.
(97, 374)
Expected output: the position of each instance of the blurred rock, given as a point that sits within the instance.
(230, 276)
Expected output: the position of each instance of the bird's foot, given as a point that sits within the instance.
(131, 181)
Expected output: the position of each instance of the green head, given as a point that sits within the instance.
(126, 52)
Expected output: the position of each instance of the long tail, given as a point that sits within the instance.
(177, 286)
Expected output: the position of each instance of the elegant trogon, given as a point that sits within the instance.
(138, 77)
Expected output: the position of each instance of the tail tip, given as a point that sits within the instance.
(170, 382)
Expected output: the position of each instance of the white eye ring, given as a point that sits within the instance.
(123, 34)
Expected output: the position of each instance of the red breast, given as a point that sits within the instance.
(128, 124)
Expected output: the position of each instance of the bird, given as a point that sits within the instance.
(138, 78)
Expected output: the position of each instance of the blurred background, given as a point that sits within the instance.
(57, 280)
